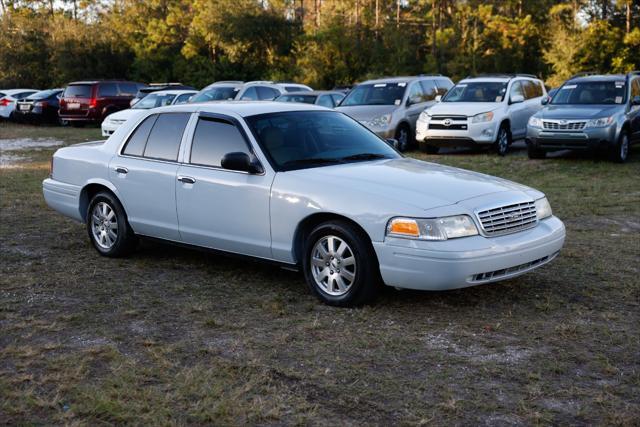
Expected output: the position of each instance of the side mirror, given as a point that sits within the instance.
(240, 162)
(545, 100)
(438, 98)
(515, 99)
(635, 100)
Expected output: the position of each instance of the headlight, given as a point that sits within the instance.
(482, 117)
(535, 122)
(599, 123)
(424, 116)
(381, 121)
(449, 227)
(543, 208)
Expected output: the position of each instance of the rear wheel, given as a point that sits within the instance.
(620, 151)
(535, 153)
(340, 265)
(403, 136)
(503, 141)
(108, 227)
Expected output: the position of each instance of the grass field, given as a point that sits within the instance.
(173, 336)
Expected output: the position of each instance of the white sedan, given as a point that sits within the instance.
(153, 100)
(303, 187)
(9, 99)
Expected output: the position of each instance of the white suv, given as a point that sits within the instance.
(483, 110)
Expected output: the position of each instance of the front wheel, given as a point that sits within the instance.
(108, 227)
(403, 136)
(340, 265)
(620, 151)
(503, 141)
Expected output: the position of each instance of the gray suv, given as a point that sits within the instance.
(390, 106)
(589, 112)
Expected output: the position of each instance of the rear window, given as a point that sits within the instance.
(164, 139)
(107, 90)
(296, 89)
(78, 91)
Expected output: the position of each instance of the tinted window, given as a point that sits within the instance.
(44, 94)
(337, 98)
(296, 89)
(22, 94)
(305, 99)
(182, 99)
(301, 139)
(635, 88)
(443, 86)
(415, 94)
(154, 100)
(107, 89)
(477, 92)
(531, 89)
(217, 93)
(516, 89)
(138, 139)
(325, 101)
(266, 93)
(429, 90)
(165, 137)
(591, 92)
(376, 94)
(78, 91)
(251, 94)
(128, 89)
(213, 139)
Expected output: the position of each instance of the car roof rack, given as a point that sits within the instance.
(504, 75)
(229, 81)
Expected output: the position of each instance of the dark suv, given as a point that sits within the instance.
(92, 101)
(589, 112)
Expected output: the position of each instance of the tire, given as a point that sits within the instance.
(108, 228)
(404, 137)
(619, 152)
(345, 272)
(535, 152)
(503, 141)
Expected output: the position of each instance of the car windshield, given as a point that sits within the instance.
(306, 99)
(218, 93)
(154, 100)
(477, 92)
(376, 94)
(44, 94)
(78, 91)
(603, 92)
(303, 139)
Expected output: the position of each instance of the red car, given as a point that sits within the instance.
(92, 101)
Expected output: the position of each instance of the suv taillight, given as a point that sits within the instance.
(4, 102)
(93, 102)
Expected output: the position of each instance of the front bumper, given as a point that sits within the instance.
(586, 139)
(469, 261)
(109, 128)
(474, 134)
(62, 197)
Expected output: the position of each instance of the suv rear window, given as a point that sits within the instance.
(78, 91)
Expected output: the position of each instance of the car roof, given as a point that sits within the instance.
(241, 108)
(93, 82)
(598, 78)
(490, 79)
(314, 92)
(401, 79)
(173, 92)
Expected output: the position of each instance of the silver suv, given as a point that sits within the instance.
(487, 110)
(232, 90)
(390, 107)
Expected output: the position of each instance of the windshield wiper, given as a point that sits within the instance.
(365, 156)
(312, 161)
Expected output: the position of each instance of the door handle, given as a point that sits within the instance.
(121, 169)
(186, 180)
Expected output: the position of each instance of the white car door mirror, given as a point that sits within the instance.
(438, 98)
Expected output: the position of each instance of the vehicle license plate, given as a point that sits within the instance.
(73, 106)
(24, 107)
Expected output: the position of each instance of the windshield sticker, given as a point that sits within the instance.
(402, 84)
(380, 85)
(498, 98)
(397, 102)
(461, 85)
(568, 87)
(619, 84)
(618, 100)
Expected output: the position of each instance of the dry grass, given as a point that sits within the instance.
(172, 336)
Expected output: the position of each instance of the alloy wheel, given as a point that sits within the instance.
(104, 225)
(503, 142)
(333, 265)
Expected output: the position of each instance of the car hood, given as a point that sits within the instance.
(367, 112)
(463, 108)
(409, 181)
(578, 111)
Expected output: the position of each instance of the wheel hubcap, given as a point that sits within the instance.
(503, 141)
(333, 265)
(104, 225)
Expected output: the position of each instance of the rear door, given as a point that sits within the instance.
(144, 173)
(518, 112)
(219, 208)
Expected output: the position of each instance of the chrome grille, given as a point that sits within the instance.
(563, 125)
(508, 219)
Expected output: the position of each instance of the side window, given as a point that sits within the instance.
(138, 139)
(128, 89)
(516, 89)
(429, 89)
(337, 98)
(266, 93)
(107, 90)
(415, 94)
(164, 139)
(183, 99)
(250, 94)
(325, 101)
(635, 88)
(213, 139)
(531, 89)
(443, 86)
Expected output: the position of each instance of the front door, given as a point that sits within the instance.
(518, 111)
(219, 208)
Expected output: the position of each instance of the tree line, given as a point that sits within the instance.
(47, 43)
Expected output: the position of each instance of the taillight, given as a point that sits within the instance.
(93, 102)
(62, 102)
(4, 102)
(41, 104)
